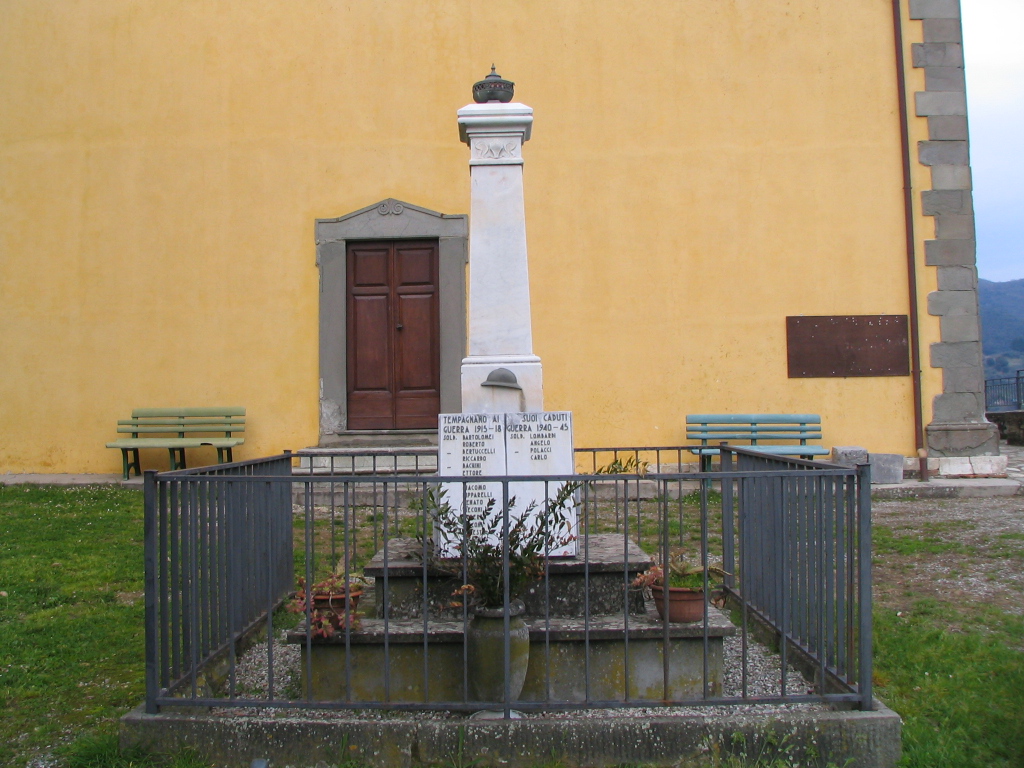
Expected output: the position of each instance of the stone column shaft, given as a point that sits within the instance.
(500, 330)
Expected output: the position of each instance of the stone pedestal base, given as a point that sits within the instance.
(971, 439)
(605, 571)
(480, 397)
(560, 650)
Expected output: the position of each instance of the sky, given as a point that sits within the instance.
(994, 61)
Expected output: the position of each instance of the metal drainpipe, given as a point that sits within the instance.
(908, 213)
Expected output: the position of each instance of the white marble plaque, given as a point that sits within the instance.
(502, 444)
(469, 445)
(541, 444)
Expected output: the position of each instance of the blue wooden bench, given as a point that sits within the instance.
(781, 434)
(168, 428)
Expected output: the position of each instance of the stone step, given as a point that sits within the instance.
(560, 650)
(389, 460)
(381, 438)
(571, 590)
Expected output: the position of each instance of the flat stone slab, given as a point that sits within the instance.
(647, 627)
(66, 479)
(605, 553)
(647, 737)
(939, 488)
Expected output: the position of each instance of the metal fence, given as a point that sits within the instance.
(226, 547)
(1005, 393)
(219, 561)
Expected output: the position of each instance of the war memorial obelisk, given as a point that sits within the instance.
(503, 429)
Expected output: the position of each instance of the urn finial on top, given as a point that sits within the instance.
(493, 88)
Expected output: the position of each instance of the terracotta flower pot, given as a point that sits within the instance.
(684, 605)
(334, 605)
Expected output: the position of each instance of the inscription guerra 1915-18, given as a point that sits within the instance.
(499, 445)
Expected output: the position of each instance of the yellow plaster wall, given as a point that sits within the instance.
(698, 171)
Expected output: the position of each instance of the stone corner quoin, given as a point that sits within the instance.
(958, 423)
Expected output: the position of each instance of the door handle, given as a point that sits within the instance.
(399, 326)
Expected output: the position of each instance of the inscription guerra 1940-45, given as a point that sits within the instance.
(505, 444)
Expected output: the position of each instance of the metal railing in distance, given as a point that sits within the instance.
(1005, 393)
(792, 536)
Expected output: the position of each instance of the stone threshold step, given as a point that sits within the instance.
(403, 438)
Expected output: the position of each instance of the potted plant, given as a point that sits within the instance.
(331, 603)
(685, 588)
(480, 559)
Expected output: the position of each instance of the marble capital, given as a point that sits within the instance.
(493, 125)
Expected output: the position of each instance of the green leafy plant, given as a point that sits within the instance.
(631, 465)
(480, 553)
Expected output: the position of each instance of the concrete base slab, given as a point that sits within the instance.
(886, 468)
(948, 489)
(66, 479)
(849, 738)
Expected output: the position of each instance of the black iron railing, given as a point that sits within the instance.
(221, 559)
(1005, 393)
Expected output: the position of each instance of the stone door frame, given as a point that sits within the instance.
(389, 219)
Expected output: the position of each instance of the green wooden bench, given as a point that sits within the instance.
(169, 427)
(781, 434)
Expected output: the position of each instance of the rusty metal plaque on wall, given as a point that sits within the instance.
(847, 345)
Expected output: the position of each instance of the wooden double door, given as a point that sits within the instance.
(393, 329)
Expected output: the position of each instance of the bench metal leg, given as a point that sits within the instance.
(177, 458)
(128, 465)
(222, 453)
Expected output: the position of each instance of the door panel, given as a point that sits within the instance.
(416, 360)
(393, 335)
(371, 361)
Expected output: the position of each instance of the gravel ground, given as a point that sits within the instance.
(961, 551)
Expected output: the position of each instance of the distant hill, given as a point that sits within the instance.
(1002, 326)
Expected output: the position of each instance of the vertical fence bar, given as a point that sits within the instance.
(728, 532)
(268, 524)
(586, 586)
(704, 483)
(307, 545)
(385, 533)
(843, 509)
(424, 559)
(205, 603)
(150, 534)
(625, 584)
(193, 597)
(173, 587)
(665, 633)
(829, 645)
(163, 533)
(864, 635)
(507, 665)
(547, 592)
(786, 575)
(227, 499)
(745, 570)
(348, 517)
(850, 535)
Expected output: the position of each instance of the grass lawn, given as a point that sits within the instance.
(71, 654)
(951, 662)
